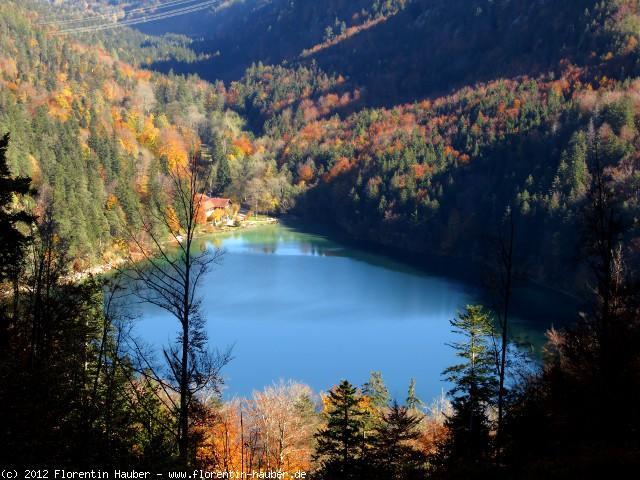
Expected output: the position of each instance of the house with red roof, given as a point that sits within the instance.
(216, 208)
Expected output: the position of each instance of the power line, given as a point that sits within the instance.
(108, 16)
(144, 19)
(61, 21)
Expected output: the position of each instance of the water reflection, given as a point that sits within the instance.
(301, 306)
(283, 240)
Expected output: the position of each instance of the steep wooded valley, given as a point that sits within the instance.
(427, 128)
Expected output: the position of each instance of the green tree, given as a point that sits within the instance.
(223, 174)
(413, 402)
(474, 388)
(12, 240)
(573, 169)
(376, 390)
(64, 348)
(328, 33)
(339, 444)
(394, 448)
(620, 114)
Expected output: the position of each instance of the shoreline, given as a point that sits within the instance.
(201, 232)
(461, 268)
(428, 263)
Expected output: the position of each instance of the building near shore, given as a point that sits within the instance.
(217, 209)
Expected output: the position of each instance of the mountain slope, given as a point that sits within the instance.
(267, 31)
(96, 134)
(410, 49)
(533, 86)
(438, 175)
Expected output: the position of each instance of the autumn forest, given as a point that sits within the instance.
(460, 178)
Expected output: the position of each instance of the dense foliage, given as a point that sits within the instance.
(97, 135)
(437, 175)
(541, 127)
(432, 175)
(239, 33)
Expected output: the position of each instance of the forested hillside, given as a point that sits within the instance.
(96, 133)
(239, 33)
(432, 175)
(437, 175)
(530, 85)
(505, 97)
(404, 50)
(501, 133)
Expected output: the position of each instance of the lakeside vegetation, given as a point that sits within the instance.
(533, 172)
(297, 139)
(73, 343)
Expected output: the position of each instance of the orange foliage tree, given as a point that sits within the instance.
(171, 145)
(272, 431)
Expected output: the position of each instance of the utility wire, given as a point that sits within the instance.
(144, 19)
(108, 16)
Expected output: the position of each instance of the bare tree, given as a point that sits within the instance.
(277, 415)
(602, 236)
(501, 281)
(168, 274)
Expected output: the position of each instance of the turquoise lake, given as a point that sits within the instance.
(300, 306)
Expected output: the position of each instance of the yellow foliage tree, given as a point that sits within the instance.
(173, 221)
(172, 147)
(149, 134)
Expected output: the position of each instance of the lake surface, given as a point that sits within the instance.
(300, 306)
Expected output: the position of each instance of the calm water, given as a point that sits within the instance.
(299, 306)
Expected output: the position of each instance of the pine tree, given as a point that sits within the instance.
(223, 176)
(573, 171)
(474, 388)
(339, 444)
(394, 451)
(12, 241)
(413, 402)
(328, 34)
(376, 390)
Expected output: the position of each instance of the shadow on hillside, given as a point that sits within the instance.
(431, 48)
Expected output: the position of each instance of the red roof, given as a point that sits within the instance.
(209, 203)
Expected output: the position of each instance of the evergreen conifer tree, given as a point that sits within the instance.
(413, 402)
(223, 174)
(339, 444)
(474, 388)
(395, 453)
(12, 241)
(376, 390)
